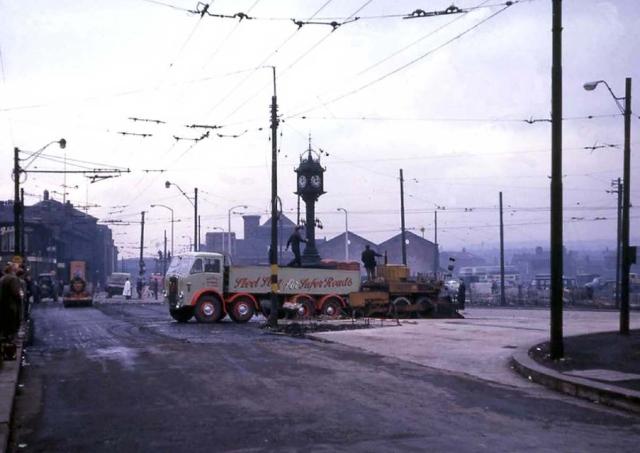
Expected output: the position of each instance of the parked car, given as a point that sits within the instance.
(115, 283)
(47, 287)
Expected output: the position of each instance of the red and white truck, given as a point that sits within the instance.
(200, 284)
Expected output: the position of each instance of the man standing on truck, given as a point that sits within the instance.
(369, 261)
(294, 241)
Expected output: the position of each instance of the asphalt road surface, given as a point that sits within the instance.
(123, 377)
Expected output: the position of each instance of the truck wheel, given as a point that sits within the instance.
(332, 308)
(307, 308)
(181, 314)
(425, 307)
(209, 309)
(242, 310)
(399, 305)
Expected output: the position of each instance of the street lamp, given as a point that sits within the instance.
(17, 205)
(222, 235)
(194, 203)
(172, 221)
(346, 233)
(626, 198)
(229, 224)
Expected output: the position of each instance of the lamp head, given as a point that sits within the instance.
(153, 205)
(167, 184)
(63, 143)
(590, 86)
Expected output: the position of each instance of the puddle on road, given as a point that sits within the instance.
(125, 356)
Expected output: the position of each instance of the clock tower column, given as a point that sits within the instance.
(310, 187)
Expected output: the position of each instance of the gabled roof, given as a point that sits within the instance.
(353, 237)
(408, 235)
(284, 222)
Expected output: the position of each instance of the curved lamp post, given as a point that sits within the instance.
(194, 203)
(626, 198)
(17, 205)
(229, 212)
(346, 233)
(172, 221)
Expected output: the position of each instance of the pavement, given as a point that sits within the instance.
(488, 344)
(491, 343)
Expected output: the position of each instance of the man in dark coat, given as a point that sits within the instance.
(294, 241)
(462, 295)
(369, 261)
(10, 302)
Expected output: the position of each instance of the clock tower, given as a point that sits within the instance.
(310, 184)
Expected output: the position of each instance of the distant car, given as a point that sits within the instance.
(115, 283)
(47, 287)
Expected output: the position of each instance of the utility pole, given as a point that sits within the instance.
(617, 189)
(23, 242)
(199, 229)
(141, 262)
(16, 202)
(164, 256)
(196, 236)
(403, 236)
(556, 338)
(626, 204)
(436, 266)
(503, 300)
(273, 249)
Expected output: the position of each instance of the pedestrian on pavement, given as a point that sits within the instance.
(369, 261)
(294, 241)
(462, 295)
(126, 291)
(139, 287)
(11, 294)
(154, 288)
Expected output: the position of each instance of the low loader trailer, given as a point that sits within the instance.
(202, 285)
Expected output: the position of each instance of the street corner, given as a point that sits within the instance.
(591, 368)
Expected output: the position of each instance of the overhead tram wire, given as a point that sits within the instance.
(404, 66)
(263, 61)
(224, 40)
(411, 44)
(297, 60)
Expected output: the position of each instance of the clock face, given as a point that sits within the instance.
(302, 181)
(315, 181)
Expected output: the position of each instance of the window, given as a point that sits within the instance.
(197, 266)
(212, 265)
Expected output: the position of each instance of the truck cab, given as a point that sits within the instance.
(193, 276)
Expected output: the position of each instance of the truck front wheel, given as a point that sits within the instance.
(242, 310)
(181, 314)
(209, 309)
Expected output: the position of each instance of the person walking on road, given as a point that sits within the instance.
(294, 241)
(126, 291)
(369, 261)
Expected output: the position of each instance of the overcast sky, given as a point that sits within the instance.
(377, 94)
